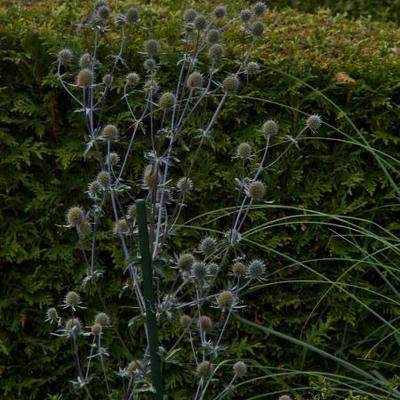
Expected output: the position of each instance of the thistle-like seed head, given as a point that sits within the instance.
(75, 216)
(205, 324)
(208, 245)
(256, 269)
(212, 269)
(110, 133)
(74, 325)
(121, 227)
(132, 211)
(244, 151)
(314, 122)
(195, 80)
(216, 51)
(185, 261)
(226, 299)
(240, 369)
(133, 367)
(184, 185)
(103, 12)
(252, 68)
(152, 47)
(65, 56)
(150, 176)
(151, 86)
(270, 128)
(238, 269)
(72, 298)
(200, 23)
(104, 179)
(199, 270)
(52, 314)
(231, 84)
(132, 79)
(204, 369)
(85, 229)
(112, 159)
(259, 8)
(189, 15)
(85, 61)
(84, 78)
(132, 15)
(213, 36)
(220, 11)
(167, 101)
(94, 189)
(245, 15)
(96, 329)
(256, 190)
(107, 80)
(102, 318)
(185, 320)
(257, 28)
(150, 64)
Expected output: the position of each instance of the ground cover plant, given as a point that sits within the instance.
(332, 173)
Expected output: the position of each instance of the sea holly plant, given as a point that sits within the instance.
(200, 286)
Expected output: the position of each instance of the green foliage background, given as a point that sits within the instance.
(43, 173)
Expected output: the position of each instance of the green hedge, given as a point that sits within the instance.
(43, 173)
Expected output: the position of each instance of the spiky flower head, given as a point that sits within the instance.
(84, 229)
(52, 315)
(103, 12)
(84, 78)
(132, 15)
(270, 128)
(150, 176)
(205, 323)
(204, 369)
(110, 133)
(216, 51)
(107, 80)
(199, 270)
(184, 185)
(85, 60)
(65, 56)
(72, 299)
(189, 15)
(259, 8)
(74, 325)
(200, 23)
(226, 299)
(167, 101)
(208, 245)
(104, 179)
(102, 318)
(256, 190)
(132, 211)
(121, 227)
(96, 329)
(150, 64)
(220, 11)
(132, 79)
(256, 269)
(94, 189)
(257, 28)
(245, 15)
(195, 80)
(285, 397)
(238, 269)
(244, 151)
(133, 367)
(212, 269)
(112, 159)
(151, 86)
(75, 216)
(231, 84)
(152, 47)
(252, 68)
(240, 369)
(213, 36)
(314, 122)
(185, 320)
(185, 261)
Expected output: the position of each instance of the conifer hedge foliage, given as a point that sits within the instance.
(354, 68)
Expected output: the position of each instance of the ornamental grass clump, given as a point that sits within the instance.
(196, 286)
